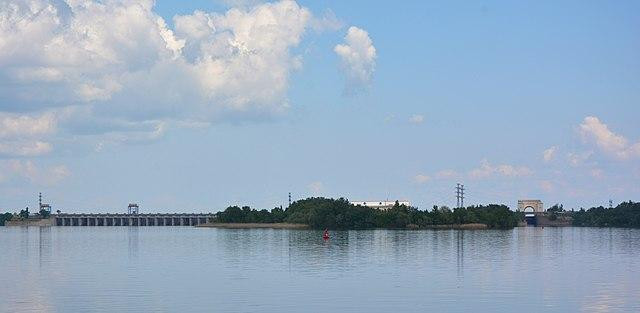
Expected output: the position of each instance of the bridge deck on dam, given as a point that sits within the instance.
(131, 219)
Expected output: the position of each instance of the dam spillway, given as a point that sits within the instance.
(158, 219)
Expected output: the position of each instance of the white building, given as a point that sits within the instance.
(381, 205)
(530, 207)
(535, 206)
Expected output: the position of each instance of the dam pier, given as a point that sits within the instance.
(114, 219)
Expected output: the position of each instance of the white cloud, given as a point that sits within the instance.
(592, 129)
(328, 21)
(24, 148)
(242, 59)
(20, 126)
(421, 178)
(549, 154)
(30, 171)
(21, 135)
(447, 174)
(487, 170)
(150, 132)
(578, 159)
(121, 60)
(416, 119)
(358, 58)
(241, 3)
(316, 187)
(77, 50)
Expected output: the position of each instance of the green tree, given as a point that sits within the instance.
(5, 217)
(232, 214)
(24, 213)
(278, 215)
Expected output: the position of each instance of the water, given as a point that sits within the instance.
(179, 269)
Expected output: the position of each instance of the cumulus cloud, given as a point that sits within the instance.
(421, 178)
(358, 59)
(12, 125)
(416, 119)
(549, 154)
(58, 51)
(487, 170)
(21, 135)
(593, 130)
(242, 59)
(121, 61)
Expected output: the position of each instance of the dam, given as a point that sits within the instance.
(115, 219)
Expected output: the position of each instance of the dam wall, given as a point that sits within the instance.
(159, 219)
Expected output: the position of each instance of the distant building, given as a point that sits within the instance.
(381, 205)
(530, 207)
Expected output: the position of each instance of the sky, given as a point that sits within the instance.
(184, 106)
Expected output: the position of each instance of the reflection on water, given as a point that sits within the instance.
(44, 246)
(175, 269)
(132, 238)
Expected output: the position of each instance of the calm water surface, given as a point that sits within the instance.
(179, 269)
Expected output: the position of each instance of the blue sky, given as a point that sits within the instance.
(514, 100)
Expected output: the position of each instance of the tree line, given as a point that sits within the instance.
(322, 213)
(625, 214)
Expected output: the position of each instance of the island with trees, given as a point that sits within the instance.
(320, 213)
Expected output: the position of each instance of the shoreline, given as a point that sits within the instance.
(45, 222)
(472, 226)
(255, 225)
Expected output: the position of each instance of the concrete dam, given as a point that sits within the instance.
(157, 219)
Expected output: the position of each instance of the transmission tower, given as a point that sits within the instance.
(289, 199)
(41, 205)
(459, 195)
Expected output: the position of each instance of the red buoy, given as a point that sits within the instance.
(325, 235)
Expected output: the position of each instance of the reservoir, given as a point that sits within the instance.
(190, 269)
